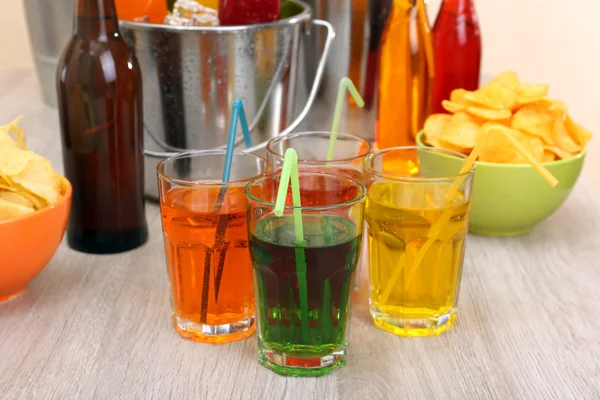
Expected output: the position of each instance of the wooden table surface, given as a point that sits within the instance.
(98, 327)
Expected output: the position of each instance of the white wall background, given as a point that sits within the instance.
(544, 41)
(14, 45)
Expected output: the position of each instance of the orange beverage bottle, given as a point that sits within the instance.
(214, 4)
(359, 10)
(187, 8)
(155, 10)
(406, 74)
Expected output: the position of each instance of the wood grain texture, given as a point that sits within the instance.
(98, 327)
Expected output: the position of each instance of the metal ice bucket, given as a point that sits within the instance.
(191, 76)
(50, 25)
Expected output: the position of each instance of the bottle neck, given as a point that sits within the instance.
(95, 19)
(459, 6)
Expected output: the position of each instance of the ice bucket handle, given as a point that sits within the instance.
(315, 85)
(309, 102)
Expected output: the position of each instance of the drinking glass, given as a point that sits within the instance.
(206, 244)
(312, 147)
(418, 219)
(303, 286)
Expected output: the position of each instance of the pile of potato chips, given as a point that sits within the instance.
(540, 124)
(27, 180)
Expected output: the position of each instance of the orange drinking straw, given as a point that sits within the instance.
(436, 228)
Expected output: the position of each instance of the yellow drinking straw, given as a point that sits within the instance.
(345, 84)
(436, 229)
(548, 177)
(290, 170)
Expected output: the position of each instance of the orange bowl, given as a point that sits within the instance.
(28, 243)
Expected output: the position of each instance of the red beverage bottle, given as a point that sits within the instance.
(457, 46)
(248, 12)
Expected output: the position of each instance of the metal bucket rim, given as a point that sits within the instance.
(303, 16)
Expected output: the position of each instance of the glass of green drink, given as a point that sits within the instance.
(303, 288)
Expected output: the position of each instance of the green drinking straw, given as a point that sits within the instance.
(345, 84)
(290, 170)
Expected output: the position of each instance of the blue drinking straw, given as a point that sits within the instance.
(237, 113)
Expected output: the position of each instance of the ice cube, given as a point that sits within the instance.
(191, 13)
(187, 8)
(196, 20)
(175, 20)
(286, 235)
(205, 19)
(391, 241)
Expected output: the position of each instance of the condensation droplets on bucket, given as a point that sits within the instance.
(191, 76)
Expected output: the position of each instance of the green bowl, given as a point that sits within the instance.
(510, 199)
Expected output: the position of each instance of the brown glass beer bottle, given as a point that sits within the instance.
(100, 107)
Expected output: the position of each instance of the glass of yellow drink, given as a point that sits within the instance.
(417, 214)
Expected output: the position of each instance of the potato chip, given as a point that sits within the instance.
(563, 139)
(453, 107)
(465, 116)
(434, 142)
(508, 79)
(458, 96)
(16, 198)
(494, 95)
(556, 106)
(6, 141)
(528, 93)
(534, 145)
(17, 131)
(547, 103)
(535, 120)
(577, 132)
(434, 127)
(489, 114)
(9, 210)
(37, 202)
(540, 124)
(458, 102)
(460, 134)
(496, 148)
(560, 153)
(27, 180)
(548, 156)
(13, 160)
(39, 178)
